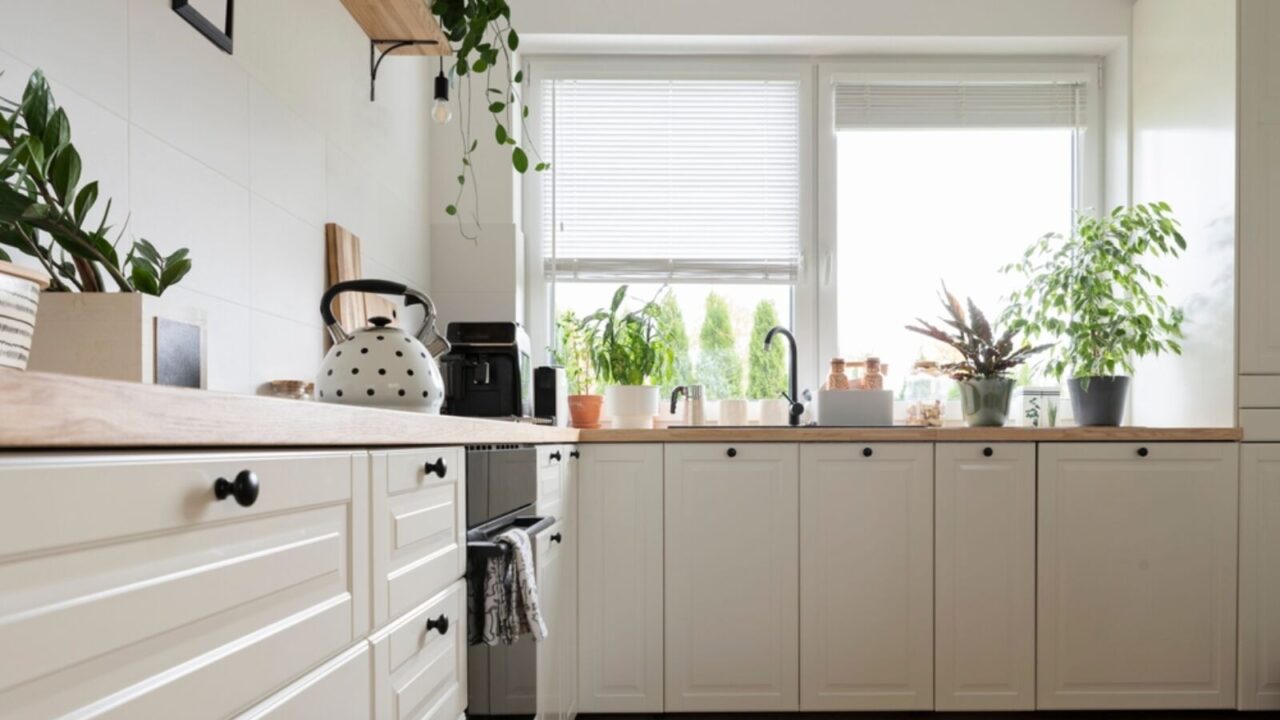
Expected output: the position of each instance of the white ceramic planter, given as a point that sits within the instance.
(632, 407)
(19, 297)
(120, 336)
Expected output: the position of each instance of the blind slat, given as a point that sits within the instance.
(899, 104)
(657, 180)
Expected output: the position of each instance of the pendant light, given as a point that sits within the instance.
(440, 110)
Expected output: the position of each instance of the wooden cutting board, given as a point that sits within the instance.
(353, 310)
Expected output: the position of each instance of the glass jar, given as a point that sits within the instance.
(925, 394)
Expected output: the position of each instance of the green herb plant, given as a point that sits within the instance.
(985, 351)
(41, 194)
(627, 346)
(1094, 292)
(480, 35)
(573, 353)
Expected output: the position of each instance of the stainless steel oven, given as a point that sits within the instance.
(502, 487)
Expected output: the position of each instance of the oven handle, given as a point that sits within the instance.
(532, 524)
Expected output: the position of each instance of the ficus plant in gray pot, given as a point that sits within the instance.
(1092, 291)
(987, 355)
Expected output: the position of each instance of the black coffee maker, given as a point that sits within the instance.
(488, 371)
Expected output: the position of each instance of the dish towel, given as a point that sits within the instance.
(509, 598)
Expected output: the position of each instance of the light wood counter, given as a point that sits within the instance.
(41, 410)
(913, 434)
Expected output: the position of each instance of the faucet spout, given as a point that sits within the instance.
(793, 394)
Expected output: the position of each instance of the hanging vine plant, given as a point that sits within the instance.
(483, 41)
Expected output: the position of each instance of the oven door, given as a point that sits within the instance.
(502, 680)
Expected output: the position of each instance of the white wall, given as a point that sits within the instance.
(1184, 117)
(241, 158)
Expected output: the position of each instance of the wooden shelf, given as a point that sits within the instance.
(400, 20)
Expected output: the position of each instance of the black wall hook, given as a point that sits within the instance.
(376, 57)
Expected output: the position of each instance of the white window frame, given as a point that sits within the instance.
(537, 68)
(814, 302)
(1088, 191)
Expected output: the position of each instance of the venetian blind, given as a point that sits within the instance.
(902, 104)
(656, 180)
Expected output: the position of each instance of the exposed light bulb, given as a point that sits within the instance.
(440, 111)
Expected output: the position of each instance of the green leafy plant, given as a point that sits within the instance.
(482, 40)
(574, 354)
(985, 352)
(626, 346)
(719, 365)
(1094, 292)
(766, 367)
(41, 194)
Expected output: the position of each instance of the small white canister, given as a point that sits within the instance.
(19, 297)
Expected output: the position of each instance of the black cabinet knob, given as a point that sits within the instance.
(1143, 452)
(555, 456)
(988, 452)
(557, 538)
(440, 624)
(436, 468)
(244, 488)
(731, 452)
(575, 454)
(866, 452)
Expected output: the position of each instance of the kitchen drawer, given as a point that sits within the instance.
(1260, 425)
(341, 688)
(551, 455)
(419, 527)
(128, 590)
(420, 673)
(550, 477)
(1259, 391)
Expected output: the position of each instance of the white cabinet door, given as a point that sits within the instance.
(620, 583)
(568, 607)
(1137, 576)
(420, 660)
(341, 688)
(731, 577)
(985, 602)
(866, 577)
(1260, 577)
(1259, 158)
(551, 565)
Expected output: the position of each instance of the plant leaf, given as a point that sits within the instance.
(519, 159)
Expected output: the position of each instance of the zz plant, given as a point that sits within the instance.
(482, 41)
(1094, 291)
(41, 195)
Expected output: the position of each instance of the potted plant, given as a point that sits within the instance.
(986, 357)
(574, 355)
(628, 350)
(83, 326)
(1093, 292)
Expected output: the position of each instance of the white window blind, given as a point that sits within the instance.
(656, 180)
(931, 104)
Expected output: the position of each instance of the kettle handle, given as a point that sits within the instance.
(380, 287)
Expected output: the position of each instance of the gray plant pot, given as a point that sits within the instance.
(1102, 404)
(985, 402)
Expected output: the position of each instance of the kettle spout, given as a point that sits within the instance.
(436, 343)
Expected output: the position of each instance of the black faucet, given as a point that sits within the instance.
(793, 397)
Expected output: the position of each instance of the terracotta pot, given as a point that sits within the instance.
(584, 410)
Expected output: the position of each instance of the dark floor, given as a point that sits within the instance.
(1041, 715)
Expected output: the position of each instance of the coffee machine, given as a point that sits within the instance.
(488, 371)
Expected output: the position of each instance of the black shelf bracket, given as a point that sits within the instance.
(376, 57)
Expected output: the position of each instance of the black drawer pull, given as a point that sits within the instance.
(440, 624)
(244, 488)
(575, 454)
(557, 538)
(555, 456)
(866, 452)
(1143, 452)
(988, 452)
(731, 452)
(438, 468)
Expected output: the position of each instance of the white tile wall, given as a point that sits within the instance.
(241, 158)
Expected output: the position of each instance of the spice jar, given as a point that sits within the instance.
(874, 379)
(837, 380)
(925, 393)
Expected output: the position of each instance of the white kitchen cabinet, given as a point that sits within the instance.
(620, 595)
(1259, 577)
(732, 580)
(341, 688)
(568, 608)
(551, 567)
(420, 660)
(985, 576)
(1137, 576)
(1258, 149)
(866, 577)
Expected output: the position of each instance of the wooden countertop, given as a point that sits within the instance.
(41, 410)
(913, 434)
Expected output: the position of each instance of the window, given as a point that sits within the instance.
(942, 180)
(686, 177)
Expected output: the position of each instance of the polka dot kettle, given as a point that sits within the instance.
(381, 365)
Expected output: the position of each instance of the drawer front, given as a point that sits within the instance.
(341, 688)
(202, 604)
(419, 527)
(551, 462)
(420, 673)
